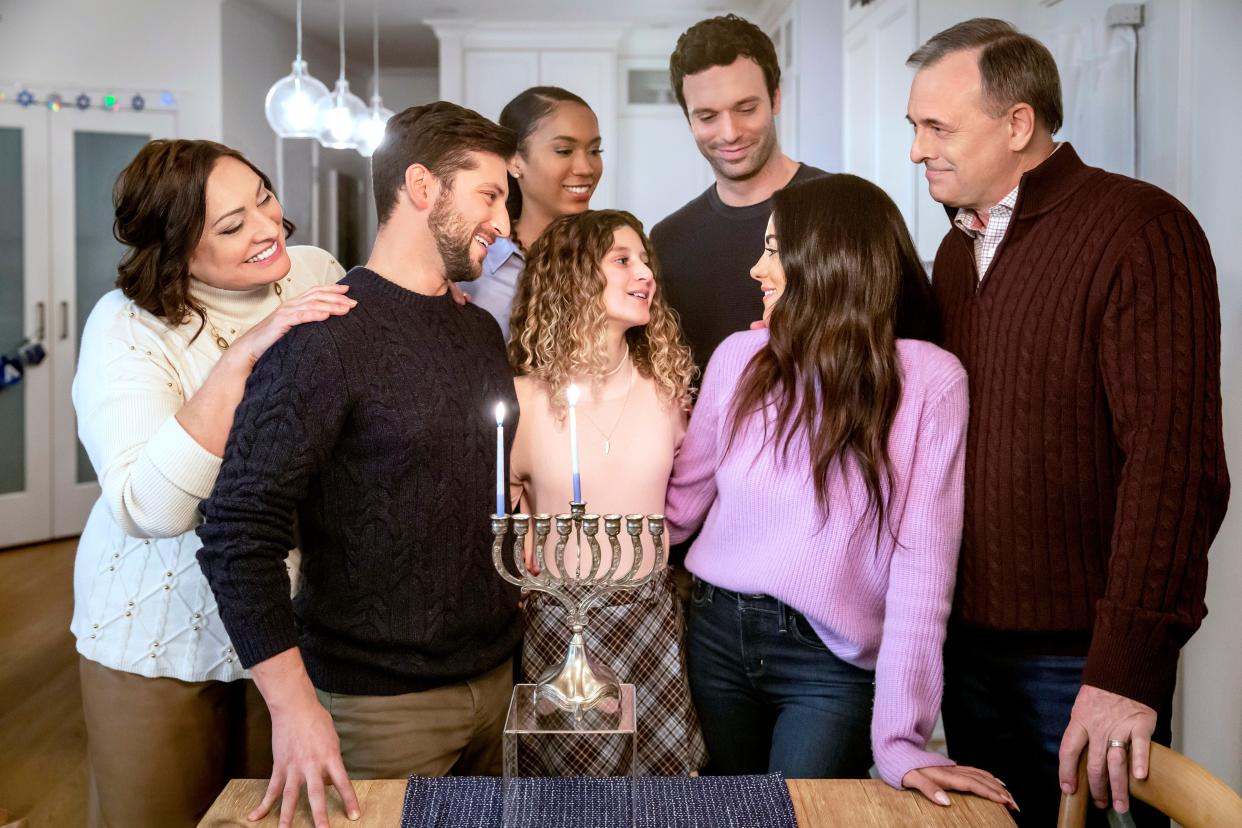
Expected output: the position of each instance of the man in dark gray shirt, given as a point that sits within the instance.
(726, 77)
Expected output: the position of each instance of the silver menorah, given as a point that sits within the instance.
(579, 682)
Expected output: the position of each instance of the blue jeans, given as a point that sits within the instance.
(1005, 711)
(770, 695)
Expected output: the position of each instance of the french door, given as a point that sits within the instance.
(25, 279)
(55, 263)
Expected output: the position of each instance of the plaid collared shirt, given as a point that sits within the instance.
(987, 237)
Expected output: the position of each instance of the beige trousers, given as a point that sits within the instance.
(452, 729)
(160, 750)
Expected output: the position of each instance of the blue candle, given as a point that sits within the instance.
(572, 395)
(500, 458)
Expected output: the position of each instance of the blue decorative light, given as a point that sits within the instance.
(137, 103)
(82, 101)
(25, 98)
(167, 99)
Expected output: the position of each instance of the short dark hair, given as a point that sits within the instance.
(1014, 67)
(160, 207)
(440, 136)
(523, 115)
(718, 41)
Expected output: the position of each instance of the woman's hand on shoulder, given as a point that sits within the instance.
(315, 305)
(459, 295)
(934, 780)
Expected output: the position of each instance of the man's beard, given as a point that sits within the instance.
(758, 158)
(454, 240)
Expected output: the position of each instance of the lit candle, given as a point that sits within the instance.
(572, 395)
(500, 458)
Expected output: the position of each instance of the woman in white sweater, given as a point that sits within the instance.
(205, 286)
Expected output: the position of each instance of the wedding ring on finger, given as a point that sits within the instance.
(1124, 744)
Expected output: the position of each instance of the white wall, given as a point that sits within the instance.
(817, 50)
(1212, 664)
(1157, 75)
(402, 88)
(126, 44)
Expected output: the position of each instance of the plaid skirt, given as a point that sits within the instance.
(638, 633)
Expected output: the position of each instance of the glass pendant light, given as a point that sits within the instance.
(290, 105)
(370, 127)
(340, 111)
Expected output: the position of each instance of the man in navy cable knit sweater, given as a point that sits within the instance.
(372, 431)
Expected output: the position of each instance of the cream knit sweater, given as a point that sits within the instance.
(141, 603)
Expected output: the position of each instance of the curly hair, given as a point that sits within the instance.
(557, 329)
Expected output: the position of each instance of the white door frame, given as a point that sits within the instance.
(73, 500)
(26, 516)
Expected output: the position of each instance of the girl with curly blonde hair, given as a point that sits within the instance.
(589, 313)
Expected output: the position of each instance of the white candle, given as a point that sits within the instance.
(500, 458)
(572, 395)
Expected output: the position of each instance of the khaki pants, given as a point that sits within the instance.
(160, 750)
(452, 729)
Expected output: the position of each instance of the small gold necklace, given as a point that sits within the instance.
(221, 342)
(630, 387)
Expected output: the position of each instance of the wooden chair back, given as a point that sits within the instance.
(1175, 785)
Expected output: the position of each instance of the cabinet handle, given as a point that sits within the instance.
(64, 320)
(41, 326)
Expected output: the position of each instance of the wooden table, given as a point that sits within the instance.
(818, 803)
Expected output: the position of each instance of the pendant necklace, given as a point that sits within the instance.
(630, 387)
(221, 342)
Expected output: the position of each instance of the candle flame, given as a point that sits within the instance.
(571, 394)
(500, 413)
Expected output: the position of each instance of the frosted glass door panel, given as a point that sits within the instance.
(88, 151)
(98, 158)
(25, 288)
(12, 310)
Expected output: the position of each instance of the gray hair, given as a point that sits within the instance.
(1015, 68)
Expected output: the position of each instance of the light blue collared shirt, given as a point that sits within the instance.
(493, 291)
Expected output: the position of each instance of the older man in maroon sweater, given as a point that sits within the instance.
(1084, 307)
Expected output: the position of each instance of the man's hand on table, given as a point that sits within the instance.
(305, 749)
(933, 781)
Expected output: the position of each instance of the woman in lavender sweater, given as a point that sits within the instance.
(824, 465)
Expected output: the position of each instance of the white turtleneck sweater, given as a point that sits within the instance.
(141, 603)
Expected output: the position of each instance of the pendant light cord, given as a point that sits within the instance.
(299, 31)
(375, 45)
(341, 4)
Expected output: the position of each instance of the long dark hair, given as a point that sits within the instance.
(523, 115)
(160, 201)
(853, 284)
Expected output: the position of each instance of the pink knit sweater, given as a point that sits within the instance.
(880, 606)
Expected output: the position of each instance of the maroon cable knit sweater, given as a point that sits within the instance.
(1095, 462)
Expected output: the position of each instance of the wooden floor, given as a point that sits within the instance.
(42, 735)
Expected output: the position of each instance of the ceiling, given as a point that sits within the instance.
(406, 41)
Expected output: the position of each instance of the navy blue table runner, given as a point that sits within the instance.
(599, 802)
